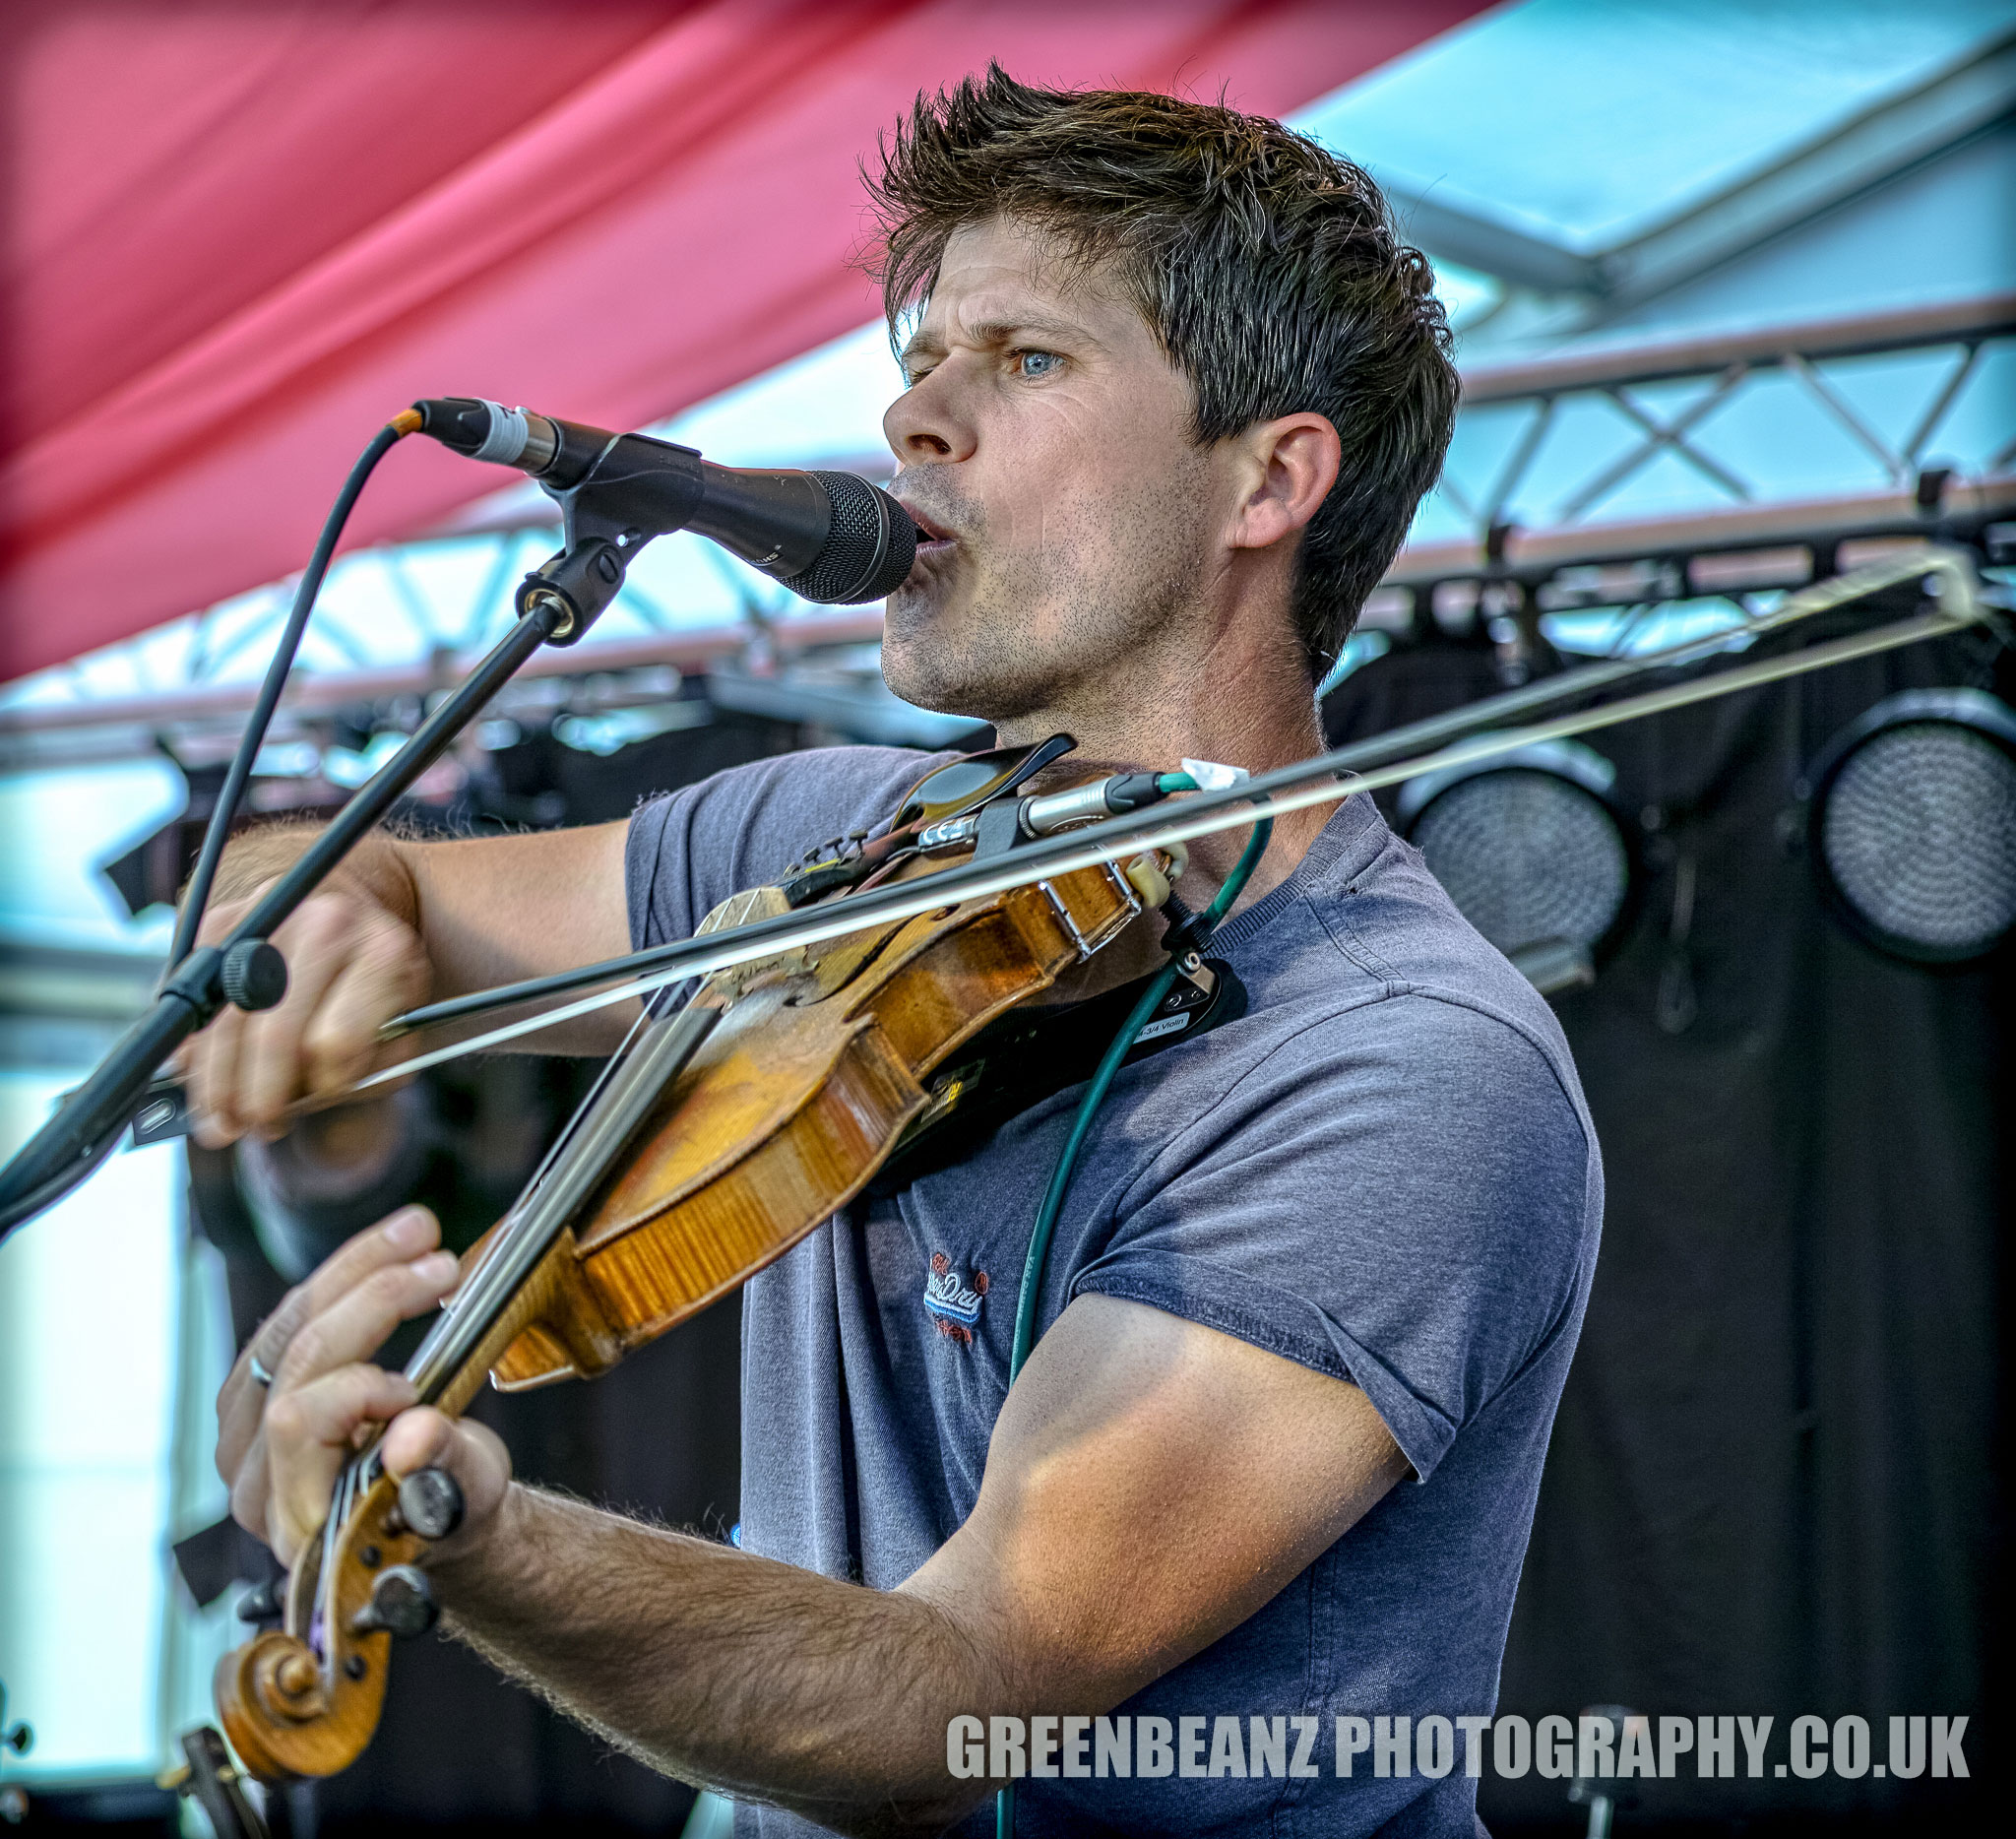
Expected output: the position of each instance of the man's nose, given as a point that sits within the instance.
(927, 423)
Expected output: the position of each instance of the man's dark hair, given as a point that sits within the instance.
(1268, 270)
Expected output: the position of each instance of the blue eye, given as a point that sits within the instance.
(1036, 363)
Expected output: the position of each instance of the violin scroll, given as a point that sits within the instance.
(303, 1701)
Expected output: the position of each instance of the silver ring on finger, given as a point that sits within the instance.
(262, 1375)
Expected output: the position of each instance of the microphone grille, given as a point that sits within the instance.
(870, 545)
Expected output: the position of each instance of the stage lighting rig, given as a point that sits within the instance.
(1532, 852)
(1912, 824)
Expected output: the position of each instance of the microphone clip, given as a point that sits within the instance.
(577, 584)
(634, 489)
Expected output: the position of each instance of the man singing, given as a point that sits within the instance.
(1174, 389)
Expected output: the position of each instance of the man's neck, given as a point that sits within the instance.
(1235, 702)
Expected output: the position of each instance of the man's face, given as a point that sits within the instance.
(1067, 515)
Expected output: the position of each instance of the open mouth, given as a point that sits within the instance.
(932, 537)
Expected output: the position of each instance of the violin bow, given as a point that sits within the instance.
(1365, 766)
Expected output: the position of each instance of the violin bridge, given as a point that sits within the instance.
(741, 909)
(744, 909)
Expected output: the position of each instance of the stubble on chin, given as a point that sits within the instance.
(1043, 626)
(960, 647)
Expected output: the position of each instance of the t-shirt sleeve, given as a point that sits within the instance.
(687, 852)
(1398, 1195)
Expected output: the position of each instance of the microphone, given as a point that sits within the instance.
(828, 537)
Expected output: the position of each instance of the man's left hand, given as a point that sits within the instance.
(280, 1447)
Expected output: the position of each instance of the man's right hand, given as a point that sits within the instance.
(402, 922)
(352, 964)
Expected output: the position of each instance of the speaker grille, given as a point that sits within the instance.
(1527, 857)
(1919, 835)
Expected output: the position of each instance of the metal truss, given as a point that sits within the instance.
(1893, 133)
(402, 615)
(1726, 366)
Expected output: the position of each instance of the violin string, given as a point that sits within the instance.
(353, 1483)
(473, 1294)
(322, 1624)
(606, 1124)
(1509, 710)
(1140, 839)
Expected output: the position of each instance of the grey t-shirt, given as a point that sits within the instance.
(1383, 1170)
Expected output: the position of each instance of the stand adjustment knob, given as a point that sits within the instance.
(254, 975)
(402, 1604)
(430, 1503)
(19, 1737)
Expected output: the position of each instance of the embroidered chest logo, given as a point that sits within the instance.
(953, 1306)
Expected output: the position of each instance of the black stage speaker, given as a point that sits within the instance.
(1775, 1483)
(1913, 824)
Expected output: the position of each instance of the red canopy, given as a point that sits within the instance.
(245, 235)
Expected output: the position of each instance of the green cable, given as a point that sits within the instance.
(1060, 1175)
(1080, 1129)
(1094, 1095)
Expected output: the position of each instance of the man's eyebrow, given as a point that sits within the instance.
(999, 332)
(1009, 331)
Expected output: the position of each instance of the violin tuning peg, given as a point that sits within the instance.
(401, 1603)
(262, 1602)
(430, 1503)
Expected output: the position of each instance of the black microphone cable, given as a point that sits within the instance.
(233, 794)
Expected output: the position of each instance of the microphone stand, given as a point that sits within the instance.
(556, 605)
(620, 491)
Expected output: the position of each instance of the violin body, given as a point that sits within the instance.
(815, 1064)
(819, 1064)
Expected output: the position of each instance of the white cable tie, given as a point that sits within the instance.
(1212, 777)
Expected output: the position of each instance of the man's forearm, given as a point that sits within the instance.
(257, 857)
(766, 1682)
(487, 910)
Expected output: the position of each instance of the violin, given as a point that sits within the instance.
(723, 1133)
(729, 1128)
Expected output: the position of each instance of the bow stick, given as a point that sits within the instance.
(1325, 778)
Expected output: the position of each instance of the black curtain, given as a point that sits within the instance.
(1774, 1483)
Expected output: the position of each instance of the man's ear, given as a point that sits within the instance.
(1287, 466)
